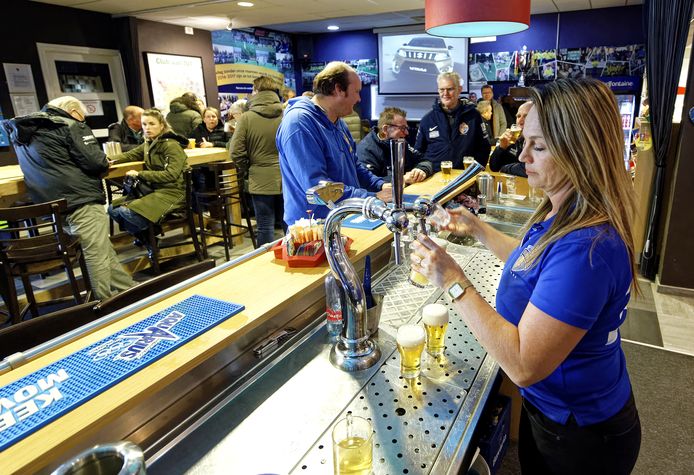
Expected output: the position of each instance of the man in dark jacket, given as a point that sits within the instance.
(453, 128)
(60, 158)
(129, 130)
(504, 158)
(374, 150)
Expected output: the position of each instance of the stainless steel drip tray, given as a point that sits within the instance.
(282, 422)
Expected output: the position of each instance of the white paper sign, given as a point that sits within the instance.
(93, 107)
(19, 78)
(24, 104)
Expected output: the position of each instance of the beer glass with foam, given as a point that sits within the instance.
(515, 132)
(467, 161)
(446, 170)
(352, 446)
(435, 318)
(410, 340)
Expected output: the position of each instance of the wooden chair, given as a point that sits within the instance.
(34, 242)
(184, 218)
(227, 194)
(150, 287)
(26, 335)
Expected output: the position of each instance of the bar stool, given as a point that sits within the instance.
(183, 218)
(34, 243)
(219, 204)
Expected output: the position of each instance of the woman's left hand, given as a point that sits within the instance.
(206, 144)
(132, 173)
(433, 262)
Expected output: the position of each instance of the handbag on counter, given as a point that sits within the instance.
(135, 188)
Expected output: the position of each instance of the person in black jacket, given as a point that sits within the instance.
(453, 128)
(129, 130)
(504, 158)
(374, 150)
(60, 158)
(211, 132)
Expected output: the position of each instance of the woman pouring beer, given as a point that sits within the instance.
(564, 289)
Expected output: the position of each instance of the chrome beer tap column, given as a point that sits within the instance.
(354, 349)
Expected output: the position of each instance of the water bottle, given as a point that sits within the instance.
(333, 306)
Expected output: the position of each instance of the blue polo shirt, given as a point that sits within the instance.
(583, 280)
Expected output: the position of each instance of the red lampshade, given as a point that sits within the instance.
(472, 18)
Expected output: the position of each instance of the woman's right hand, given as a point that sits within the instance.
(463, 222)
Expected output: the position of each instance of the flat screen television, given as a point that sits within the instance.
(409, 62)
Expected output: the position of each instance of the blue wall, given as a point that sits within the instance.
(602, 27)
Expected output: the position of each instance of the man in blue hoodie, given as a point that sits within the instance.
(453, 128)
(314, 144)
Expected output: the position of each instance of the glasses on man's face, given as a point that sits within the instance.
(401, 128)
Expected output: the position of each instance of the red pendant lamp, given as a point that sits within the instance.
(473, 18)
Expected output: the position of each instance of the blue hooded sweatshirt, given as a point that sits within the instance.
(311, 149)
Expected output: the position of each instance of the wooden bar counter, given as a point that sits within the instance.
(273, 296)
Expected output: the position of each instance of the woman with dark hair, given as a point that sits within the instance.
(164, 163)
(184, 114)
(564, 289)
(210, 133)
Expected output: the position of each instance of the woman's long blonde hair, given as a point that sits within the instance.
(582, 127)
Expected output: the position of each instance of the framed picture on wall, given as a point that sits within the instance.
(170, 75)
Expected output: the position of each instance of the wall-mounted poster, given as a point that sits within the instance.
(171, 75)
(240, 56)
(308, 72)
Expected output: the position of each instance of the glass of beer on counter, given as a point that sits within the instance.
(435, 318)
(417, 279)
(352, 446)
(446, 170)
(191, 143)
(467, 161)
(515, 132)
(410, 340)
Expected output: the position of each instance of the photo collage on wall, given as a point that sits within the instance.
(602, 61)
(547, 65)
(367, 69)
(508, 65)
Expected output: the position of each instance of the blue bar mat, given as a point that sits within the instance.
(47, 394)
(358, 221)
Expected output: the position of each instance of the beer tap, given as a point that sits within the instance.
(355, 350)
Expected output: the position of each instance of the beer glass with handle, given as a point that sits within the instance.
(410, 340)
(352, 446)
(435, 319)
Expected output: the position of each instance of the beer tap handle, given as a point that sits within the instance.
(397, 166)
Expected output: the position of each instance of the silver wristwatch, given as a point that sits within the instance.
(457, 290)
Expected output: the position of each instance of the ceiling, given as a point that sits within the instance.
(297, 16)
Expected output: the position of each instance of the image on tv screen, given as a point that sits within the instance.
(409, 63)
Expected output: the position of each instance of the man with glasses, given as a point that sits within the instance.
(60, 158)
(374, 149)
(453, 128)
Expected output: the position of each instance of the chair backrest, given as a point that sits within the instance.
(150, 287)
(25, 335)
(229, 183)
(34, 233)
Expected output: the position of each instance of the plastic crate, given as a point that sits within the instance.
(495, 439)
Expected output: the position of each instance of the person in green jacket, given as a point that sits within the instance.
(185, 114)
(164, 164)
(254, 151)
